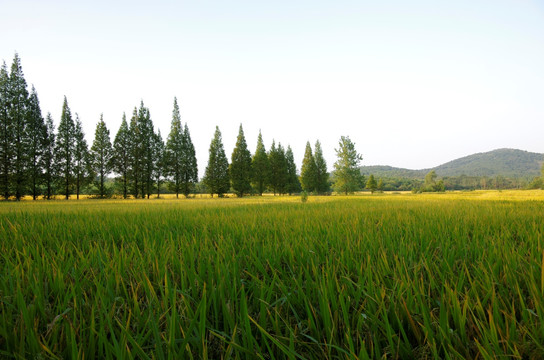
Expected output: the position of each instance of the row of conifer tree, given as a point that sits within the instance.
(38, 161)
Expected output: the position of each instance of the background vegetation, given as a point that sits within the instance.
(38, 160)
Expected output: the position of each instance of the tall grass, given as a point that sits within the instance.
(364, 277)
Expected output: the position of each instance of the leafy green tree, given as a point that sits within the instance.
(431, 184)
(321, 174)
(189, 170)
(439, 186)
(18, 114)
(216, 177)
(35, 133)
(293, 184)
(308, 172)
(146, 131)
(278, 168)
(65, 149)
(101, 153)
(82, 168)
(174, 152)
(159, 159)
(430, 178)
(135, 155)
(347, 175)
(380, 185)
(48, 157)
(371, 184)
(260, 167)
(240, 166)
(6, 134)
(121, 155)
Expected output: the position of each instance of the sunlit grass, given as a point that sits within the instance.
(453, 275)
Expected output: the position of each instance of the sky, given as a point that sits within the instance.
(413, 84)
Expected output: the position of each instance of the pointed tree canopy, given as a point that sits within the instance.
(371, 184)
(6, 134)
(216, 177)
(240, 166)
(136, 157)
(34, 132)
(174, 156)
(293, 184)
(159, 160)
(278, 168)
(101, 153)
(120, 160)
(260, 166)
(189, 173)
(18, 114)
(65, 148)
(48, 156)
(144, 145)
(308, 171)
(18, 92)
(82, 166)
(321, 174)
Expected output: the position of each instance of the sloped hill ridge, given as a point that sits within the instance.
(506, 162)
(511, 163)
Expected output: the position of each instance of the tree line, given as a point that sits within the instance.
(39, 160)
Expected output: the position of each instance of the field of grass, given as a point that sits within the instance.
(454, 275)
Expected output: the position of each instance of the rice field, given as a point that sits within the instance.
(396, 276)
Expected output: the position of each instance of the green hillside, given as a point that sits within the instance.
(510, 163)
(392, 172)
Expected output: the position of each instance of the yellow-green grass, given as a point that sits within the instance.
(454, 275)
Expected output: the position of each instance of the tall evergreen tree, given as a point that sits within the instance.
(64, 150)
(82, 170)
(293, 184)
(159, 161)
(309, 170)
(48, 157)
(145, 125)
(174, 152)
(282, 171)
(35, 133)
(216, 177)
(18, 114)
(189, 172)
(371, 184)
(135, 167)
(240, 166)
(260, 166)
(6, 134)
(321, 174)
(278, 168)
(121, 155)
(347, 174)
(101, 153)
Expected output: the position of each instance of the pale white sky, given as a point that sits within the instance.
(413, 83)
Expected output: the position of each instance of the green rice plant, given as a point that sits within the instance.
(445, 276)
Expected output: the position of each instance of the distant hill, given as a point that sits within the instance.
(510, 163)
(393, 172)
